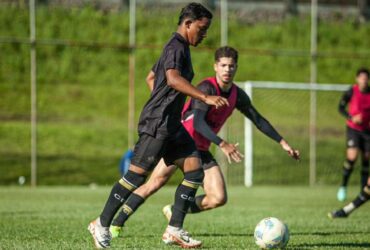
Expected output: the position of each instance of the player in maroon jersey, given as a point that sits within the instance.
(361, 199)
(357, 98)
(203, 122)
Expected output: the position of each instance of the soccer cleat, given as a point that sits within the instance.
(100, 234)
(115, 231)
(337, 214)
(342, 193)
(167, 211)
(178, 236)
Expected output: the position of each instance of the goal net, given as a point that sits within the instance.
(307, 116)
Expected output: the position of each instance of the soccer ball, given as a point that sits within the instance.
(271, 233)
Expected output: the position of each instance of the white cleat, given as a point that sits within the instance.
(100, 234)
(178, 236)
(167, 212)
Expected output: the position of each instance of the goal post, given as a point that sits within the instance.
(265, 86)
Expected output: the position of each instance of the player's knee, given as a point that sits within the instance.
(218, 200)
(135, 179)
(195, 176)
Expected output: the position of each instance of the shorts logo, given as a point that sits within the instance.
(350, 143)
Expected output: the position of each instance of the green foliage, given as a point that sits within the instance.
(83, 91)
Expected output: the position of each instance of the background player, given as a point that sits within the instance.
(160, 132)
(203, 122)
(356, 203)
(358, 129)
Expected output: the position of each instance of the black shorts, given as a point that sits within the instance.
(358, 139)
(208, 161)
(149, 150)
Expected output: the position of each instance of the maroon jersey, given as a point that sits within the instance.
(215, 117)
(359, 104)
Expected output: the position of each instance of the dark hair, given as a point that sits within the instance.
(363, 70)
(226, 51)
(194, 11)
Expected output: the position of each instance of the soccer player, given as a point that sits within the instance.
(160, 132)
(358, 129)
(202, 122)
(356, 203)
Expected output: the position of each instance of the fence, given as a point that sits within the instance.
(86, 60)
(287, 106)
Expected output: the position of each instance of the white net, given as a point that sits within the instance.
(288, 110)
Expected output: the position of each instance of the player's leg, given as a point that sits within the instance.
(365, 160)
(356, 203)
(183, 153)
(214, 187)
(158, 178)
(353, 145)
(147, 153)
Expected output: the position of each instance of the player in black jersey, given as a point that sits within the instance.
(203, 122)
(160, 132)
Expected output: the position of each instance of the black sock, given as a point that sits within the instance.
(364, 173)
(194, 208)
(131, 205)
(360, 199)
(184, 195)
(347, 170)
(120, 192)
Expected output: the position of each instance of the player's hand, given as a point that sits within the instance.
(231, 151)
(217, 101)
(291, 152)
(357, 119)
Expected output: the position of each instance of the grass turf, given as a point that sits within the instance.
(57, 217)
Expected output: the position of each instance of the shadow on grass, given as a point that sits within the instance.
(224, 235)
(346, 245)
(328, 233)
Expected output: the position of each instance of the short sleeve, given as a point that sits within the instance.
(155, 67)
(174, 59)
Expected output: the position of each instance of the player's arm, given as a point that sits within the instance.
(342, 107)
(245, 106)
(173, 66)
(176, 81)
(150, 80)
(200, 125)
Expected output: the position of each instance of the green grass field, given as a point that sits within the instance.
(57, 217)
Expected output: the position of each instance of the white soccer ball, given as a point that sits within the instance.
(271, 233)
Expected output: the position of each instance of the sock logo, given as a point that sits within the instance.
(126, 209)
(187, 197)
(118, 197)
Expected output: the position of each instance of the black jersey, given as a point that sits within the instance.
(161, 115)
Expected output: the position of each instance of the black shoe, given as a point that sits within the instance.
(337, 214)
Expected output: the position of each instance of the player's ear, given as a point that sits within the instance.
(215, 66)
(187, 23)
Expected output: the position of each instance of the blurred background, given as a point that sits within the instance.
(72, 83)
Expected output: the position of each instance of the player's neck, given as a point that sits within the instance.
(363, 88)
(225, 87)
(182, 32)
